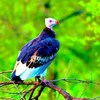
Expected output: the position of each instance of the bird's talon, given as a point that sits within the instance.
(37, 78)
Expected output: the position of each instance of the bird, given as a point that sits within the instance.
(35, 56)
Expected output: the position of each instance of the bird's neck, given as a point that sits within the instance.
(47, 33)
(49, 27)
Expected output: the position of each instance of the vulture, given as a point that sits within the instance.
(35, 57)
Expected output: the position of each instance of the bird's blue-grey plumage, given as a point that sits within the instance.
(36, 56)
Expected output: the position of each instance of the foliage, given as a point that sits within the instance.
(79, 36)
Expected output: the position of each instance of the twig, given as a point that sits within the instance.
(21, 83)
(32, 89)
(39, 93)
(46, 84)
(27, 92)
(61, 91)
(35, 86)
(50, 85)
(9, 71)
(80, 99)
(75, 81)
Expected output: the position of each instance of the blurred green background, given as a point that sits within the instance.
(79, 36)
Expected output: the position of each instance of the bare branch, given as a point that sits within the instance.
(35, 86)
(3, 72)
(48, 84)
(28, 92)
(39, 93)
(61, 91)
(43, 85)
(75, 81)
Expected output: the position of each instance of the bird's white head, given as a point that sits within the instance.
(50, 22)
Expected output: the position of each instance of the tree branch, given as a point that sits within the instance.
(36, 84)
(39, 93)
(61, 91)
(66, 95)
(74, 80)
(48, 84)
(8, 71)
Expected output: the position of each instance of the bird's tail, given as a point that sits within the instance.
(15, 78)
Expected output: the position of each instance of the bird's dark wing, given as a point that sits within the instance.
(36, 54)
(26, 48)
(36, 57)
(46, 52)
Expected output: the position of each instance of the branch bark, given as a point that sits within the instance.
(43, 84)
(47, 84)
(39, 93)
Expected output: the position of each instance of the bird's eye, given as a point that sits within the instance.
(50, 20)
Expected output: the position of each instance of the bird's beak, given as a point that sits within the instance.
(57, 22)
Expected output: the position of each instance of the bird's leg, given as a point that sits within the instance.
(37, 78)
(43, 80)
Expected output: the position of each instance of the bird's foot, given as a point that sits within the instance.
(37, 78)
(44, 81)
